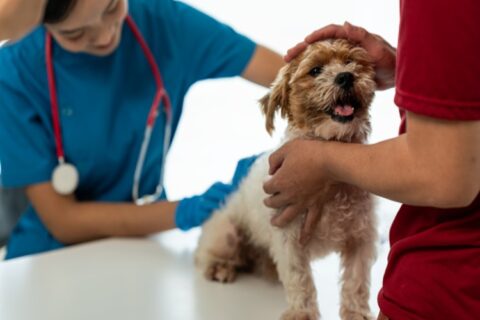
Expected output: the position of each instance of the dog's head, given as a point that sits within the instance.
(325, 92)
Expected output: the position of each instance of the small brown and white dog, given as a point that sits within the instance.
(325, 94)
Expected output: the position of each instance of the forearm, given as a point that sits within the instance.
(91, 220)
(433, 165)
(263, 67)
(17, 17)
(385, 169)
(71, 221)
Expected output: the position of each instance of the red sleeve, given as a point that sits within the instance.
(438, 58)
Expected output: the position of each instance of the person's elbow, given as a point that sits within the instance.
(454, 192)
(63, 233)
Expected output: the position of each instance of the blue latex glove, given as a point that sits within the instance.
(243, 167)
(194, 211)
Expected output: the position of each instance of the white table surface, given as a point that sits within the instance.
(152, 278)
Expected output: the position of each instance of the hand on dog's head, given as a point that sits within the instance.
(324, 93)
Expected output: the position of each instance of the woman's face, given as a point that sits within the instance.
(93, 27)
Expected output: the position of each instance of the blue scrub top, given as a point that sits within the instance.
(104, 102)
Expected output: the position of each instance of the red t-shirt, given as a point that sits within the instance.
(433, 270)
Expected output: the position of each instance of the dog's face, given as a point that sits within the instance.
(325, 92)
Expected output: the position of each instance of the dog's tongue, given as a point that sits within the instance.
(345, 111)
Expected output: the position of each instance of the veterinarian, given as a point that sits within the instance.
(93, 98)
(433, 167)
(18, 17)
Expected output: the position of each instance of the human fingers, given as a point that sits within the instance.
(374, 44)
(273, 185)
(277, 200)
(295, 51)
(332, 31)
(275, 160)
(287, 215)
(309, 224)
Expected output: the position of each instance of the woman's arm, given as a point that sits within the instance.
(18, 17)
(71, 221)
(263, 67)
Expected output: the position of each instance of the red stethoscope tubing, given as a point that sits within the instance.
(160, 95)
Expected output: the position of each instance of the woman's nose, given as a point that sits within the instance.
(104, 36)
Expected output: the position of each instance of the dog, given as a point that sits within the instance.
(324, 94)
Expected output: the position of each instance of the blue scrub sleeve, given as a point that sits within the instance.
(209, 48)
(27, 152)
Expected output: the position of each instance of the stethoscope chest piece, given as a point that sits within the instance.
(65, 178)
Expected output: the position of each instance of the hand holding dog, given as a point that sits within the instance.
(383, 55)
(298, 184)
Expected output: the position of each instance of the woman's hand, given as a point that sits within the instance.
(298, 185)
(18, 17)
(382, 54)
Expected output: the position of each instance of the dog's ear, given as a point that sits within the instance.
(277, 98)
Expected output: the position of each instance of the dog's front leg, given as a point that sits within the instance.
(293, 265)
(357, 259)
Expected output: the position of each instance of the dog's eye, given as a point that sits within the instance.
(315, 71)
(348, 61)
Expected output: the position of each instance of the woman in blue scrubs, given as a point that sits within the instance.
(105, 88)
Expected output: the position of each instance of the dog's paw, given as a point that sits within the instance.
(221, 271)
(356, 316)
(300, 315)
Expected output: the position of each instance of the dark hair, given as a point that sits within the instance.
(58, 10)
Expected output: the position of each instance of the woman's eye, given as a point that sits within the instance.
(76, 36)
(315, 71)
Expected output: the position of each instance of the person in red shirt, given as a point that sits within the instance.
(432, 167)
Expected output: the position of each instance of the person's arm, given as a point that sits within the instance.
(18, 17)
(71, 221)
(263, 67)
(435, 164)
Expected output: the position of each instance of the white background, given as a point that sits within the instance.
(222, 122)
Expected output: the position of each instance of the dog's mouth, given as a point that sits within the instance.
(344, 109)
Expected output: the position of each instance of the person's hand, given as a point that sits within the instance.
(194, 211)
(18, 17)
(382, 54)
(298, 184)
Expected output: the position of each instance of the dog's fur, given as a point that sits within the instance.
(308, 92)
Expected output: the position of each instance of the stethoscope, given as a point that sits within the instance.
(65, 177)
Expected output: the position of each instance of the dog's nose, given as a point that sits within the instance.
(345, 80)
